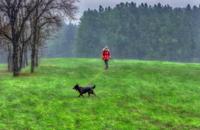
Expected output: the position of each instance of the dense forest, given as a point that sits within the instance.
(157, 32)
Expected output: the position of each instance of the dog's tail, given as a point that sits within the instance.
(94, 87)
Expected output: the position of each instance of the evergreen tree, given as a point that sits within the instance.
(157, 32)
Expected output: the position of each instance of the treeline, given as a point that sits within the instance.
(157, 32)
(25, 25)
(62, 44)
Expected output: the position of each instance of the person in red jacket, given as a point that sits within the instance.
(106, 55)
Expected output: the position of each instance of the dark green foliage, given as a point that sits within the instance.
(143, 32)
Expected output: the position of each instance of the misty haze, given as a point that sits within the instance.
(99, 64)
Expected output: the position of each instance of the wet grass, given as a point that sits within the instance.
(130, 95)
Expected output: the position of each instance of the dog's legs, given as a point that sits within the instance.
(93, 93)
(88, 94)
(81, 95)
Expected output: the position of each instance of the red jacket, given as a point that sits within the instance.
(106, 54)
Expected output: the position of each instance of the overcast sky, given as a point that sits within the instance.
(94, 4)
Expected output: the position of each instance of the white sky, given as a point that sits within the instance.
(94, 4)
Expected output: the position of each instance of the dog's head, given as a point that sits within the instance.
(76, 87)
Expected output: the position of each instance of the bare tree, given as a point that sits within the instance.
(18, 16)
(5, 43)
(10, 9)
(45, 16)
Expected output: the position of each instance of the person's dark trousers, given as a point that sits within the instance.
(106, 64)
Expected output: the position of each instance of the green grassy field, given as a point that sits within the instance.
(131, 95)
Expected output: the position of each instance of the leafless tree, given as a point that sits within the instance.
(23, 21)
(47, 15)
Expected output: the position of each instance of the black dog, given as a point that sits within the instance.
(83, 90)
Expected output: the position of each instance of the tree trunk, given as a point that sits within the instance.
(34, 42)
(16, 69)
(33, 58)
(37, 57)
(15, 44)
(21, 56)
(26, 57)
(9, 59)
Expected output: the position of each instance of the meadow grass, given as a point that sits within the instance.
(131, 95)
